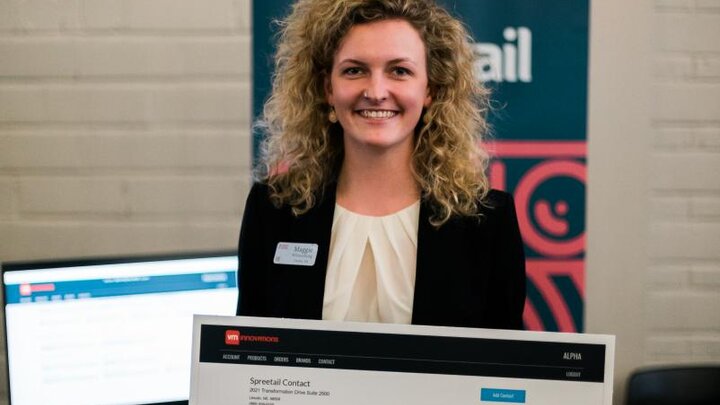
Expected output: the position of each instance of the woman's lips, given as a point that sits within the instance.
(377, 114)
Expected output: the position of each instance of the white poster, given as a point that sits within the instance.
(267, 361)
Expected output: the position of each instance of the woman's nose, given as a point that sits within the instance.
(377, 89)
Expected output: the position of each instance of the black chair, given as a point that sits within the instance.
(680, 385)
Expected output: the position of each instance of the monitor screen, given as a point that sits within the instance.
(109, 331)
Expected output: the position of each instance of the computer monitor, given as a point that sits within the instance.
(109, 331)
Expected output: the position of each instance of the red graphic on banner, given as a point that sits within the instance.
(556, 277)
(540, 272)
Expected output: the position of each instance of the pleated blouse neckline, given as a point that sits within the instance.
(371, 269)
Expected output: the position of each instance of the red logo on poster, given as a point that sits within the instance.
(232, 337)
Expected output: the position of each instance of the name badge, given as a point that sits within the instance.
(296, 254)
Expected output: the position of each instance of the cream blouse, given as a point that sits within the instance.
(371, 269)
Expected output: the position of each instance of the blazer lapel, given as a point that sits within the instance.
(425, 276)
(315, 225)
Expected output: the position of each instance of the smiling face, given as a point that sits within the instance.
(378, 84)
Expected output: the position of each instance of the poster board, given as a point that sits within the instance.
(271, 361)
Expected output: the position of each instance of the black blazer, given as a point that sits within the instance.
(469, 273)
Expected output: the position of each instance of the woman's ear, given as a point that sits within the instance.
(428, 99)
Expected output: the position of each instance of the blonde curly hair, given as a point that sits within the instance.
(303, 151)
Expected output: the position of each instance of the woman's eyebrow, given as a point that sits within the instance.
(402, 60)
(353, 62)
(390, 62)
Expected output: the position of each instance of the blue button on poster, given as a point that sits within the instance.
(500, 395)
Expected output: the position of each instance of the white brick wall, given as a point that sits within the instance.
(682, 294)
(154, 15)
(91, 58)
(124, 103)
(40, 15)
(6, 198)
(88, 151)
(124, 126)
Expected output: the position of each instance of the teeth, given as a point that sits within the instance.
(377, 114)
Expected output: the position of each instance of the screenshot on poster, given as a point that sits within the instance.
(262, 361)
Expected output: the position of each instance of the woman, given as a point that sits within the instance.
(373, 204)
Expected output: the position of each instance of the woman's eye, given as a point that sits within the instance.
(352, 71)
(401, 71)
